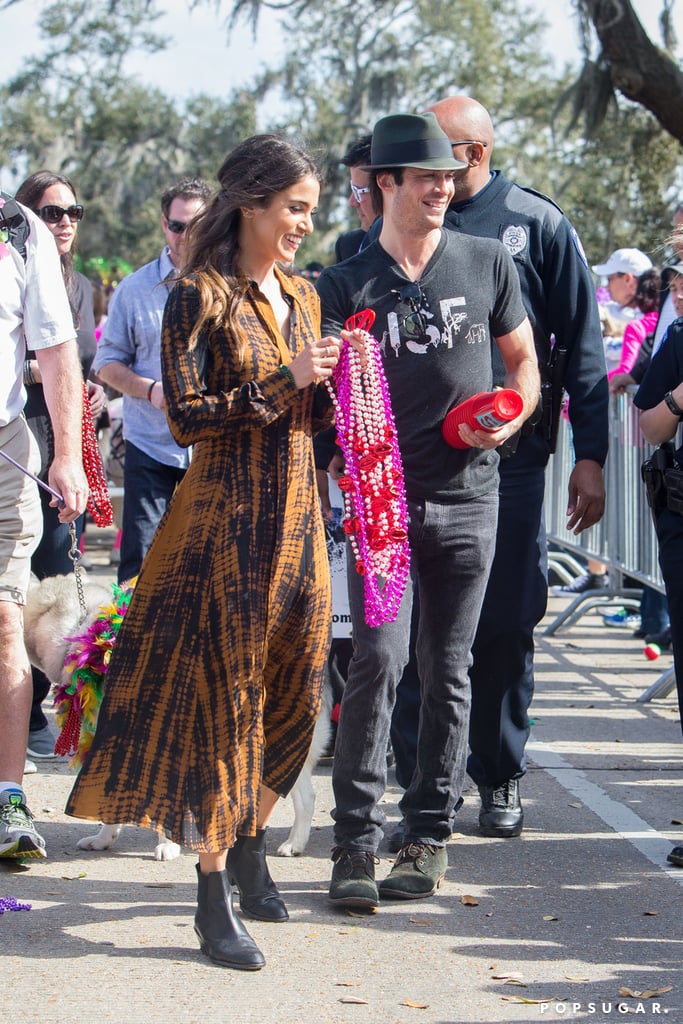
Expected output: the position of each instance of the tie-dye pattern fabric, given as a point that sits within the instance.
(215, 682)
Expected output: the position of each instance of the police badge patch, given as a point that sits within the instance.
(578, 246)
(515, 239)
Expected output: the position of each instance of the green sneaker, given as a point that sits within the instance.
(353, 879)
(18, 836)
(417, 872)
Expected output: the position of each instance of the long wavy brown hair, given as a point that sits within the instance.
(250, 175)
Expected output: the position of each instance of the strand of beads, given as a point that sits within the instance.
(376, 514)
(99, 502)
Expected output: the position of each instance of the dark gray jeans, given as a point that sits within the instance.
(451, 552)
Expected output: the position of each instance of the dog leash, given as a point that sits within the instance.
(74, 555)
(74, 550)
(41, 483)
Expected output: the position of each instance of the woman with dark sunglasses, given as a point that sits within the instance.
(53, 198)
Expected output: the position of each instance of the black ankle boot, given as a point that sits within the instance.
(247, 869)
(222, 936)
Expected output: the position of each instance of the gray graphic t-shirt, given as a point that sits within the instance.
(436, 338)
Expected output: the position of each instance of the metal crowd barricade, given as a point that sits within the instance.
(625, 539)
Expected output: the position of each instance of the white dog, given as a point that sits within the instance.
(303, 794)
(53, 612)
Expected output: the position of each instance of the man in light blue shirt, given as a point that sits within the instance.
(129, 360)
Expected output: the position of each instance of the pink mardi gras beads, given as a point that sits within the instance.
(376, 514)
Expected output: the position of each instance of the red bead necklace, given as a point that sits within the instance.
(99, 503)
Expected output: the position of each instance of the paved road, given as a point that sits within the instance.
(561, 924)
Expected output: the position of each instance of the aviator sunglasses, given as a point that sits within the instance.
(53, 214)
(411, 295)
(176, 226)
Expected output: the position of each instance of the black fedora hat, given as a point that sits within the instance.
(411, 140)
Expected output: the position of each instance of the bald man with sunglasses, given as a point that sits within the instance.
(128, 359)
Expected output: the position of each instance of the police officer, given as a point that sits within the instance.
(660, 396)
(559, 296)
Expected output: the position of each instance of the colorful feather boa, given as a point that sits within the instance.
(77, 702)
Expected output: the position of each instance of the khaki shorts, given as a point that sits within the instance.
(21, 518)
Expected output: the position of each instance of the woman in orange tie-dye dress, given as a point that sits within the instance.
(215, 682)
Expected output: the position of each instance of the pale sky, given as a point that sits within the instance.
(198, 60)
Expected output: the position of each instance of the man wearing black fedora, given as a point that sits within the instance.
(558, 293)
(441, 300)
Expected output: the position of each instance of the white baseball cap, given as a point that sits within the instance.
(624, 261)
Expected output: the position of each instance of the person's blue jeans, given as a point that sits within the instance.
(148, 488)
(451, 551)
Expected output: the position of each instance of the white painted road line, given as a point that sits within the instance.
(621, 819)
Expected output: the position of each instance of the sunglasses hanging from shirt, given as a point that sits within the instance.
(53, 214)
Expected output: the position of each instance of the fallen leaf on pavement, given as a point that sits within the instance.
(648, 993)
(528, 1002)
(549, 917)
(469, 901)
(353, 999)
(415, 1006)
